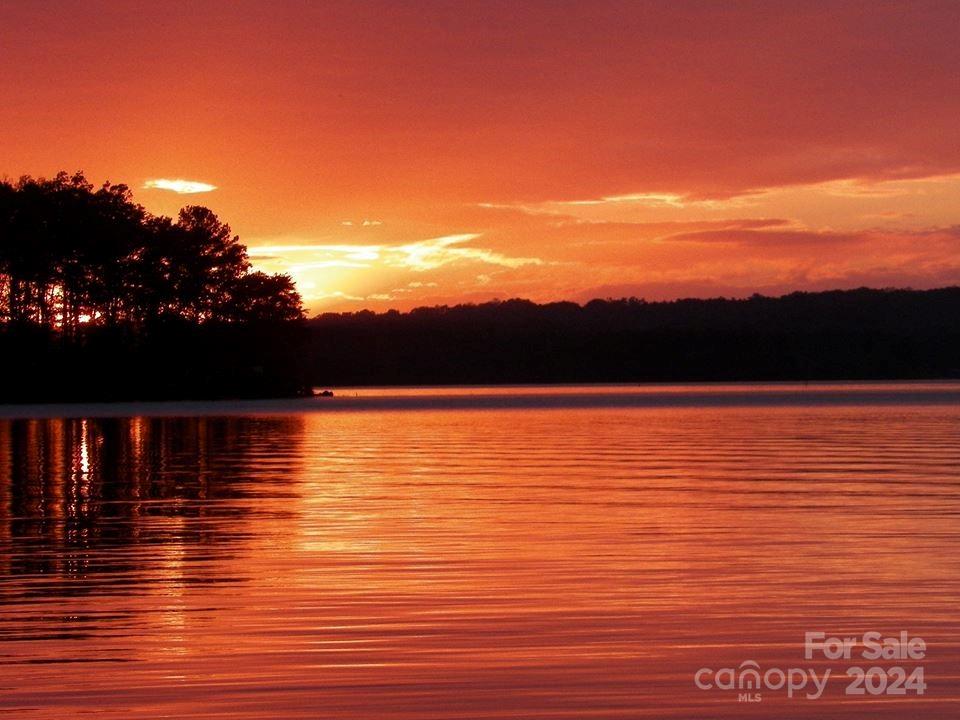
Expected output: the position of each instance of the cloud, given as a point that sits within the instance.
(778, 239)
(775, 262)
(335, 295)
(417, 256)
(181, 187)
(322, 264)
(350, 274)
(436, 252)
(342, 252)
(833, 205)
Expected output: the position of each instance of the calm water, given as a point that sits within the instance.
(512, 553)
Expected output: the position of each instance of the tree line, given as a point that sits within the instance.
(74, 255)
(102, 300)
(849, 334)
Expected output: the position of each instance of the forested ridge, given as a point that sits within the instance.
(843, 334)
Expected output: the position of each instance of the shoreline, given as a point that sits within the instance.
(525, 397)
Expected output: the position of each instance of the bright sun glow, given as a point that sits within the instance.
(183, 187)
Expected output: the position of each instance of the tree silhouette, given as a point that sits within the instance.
(263, 297)
(861, 333)
(99, 299)
(71, 255)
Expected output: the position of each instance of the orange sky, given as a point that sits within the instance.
(397, 154)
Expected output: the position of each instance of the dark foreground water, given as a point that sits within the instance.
(512, 553)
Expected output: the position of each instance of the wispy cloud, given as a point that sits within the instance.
(417, 256)
(436, 252)
(351, 253)
(639, 200)
(331, 273)
(828, 205)
(181, 187)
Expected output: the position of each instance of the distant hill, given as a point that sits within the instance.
(849, 334)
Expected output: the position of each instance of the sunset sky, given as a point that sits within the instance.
(392, 154)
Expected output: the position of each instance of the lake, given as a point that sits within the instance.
(531, 552)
